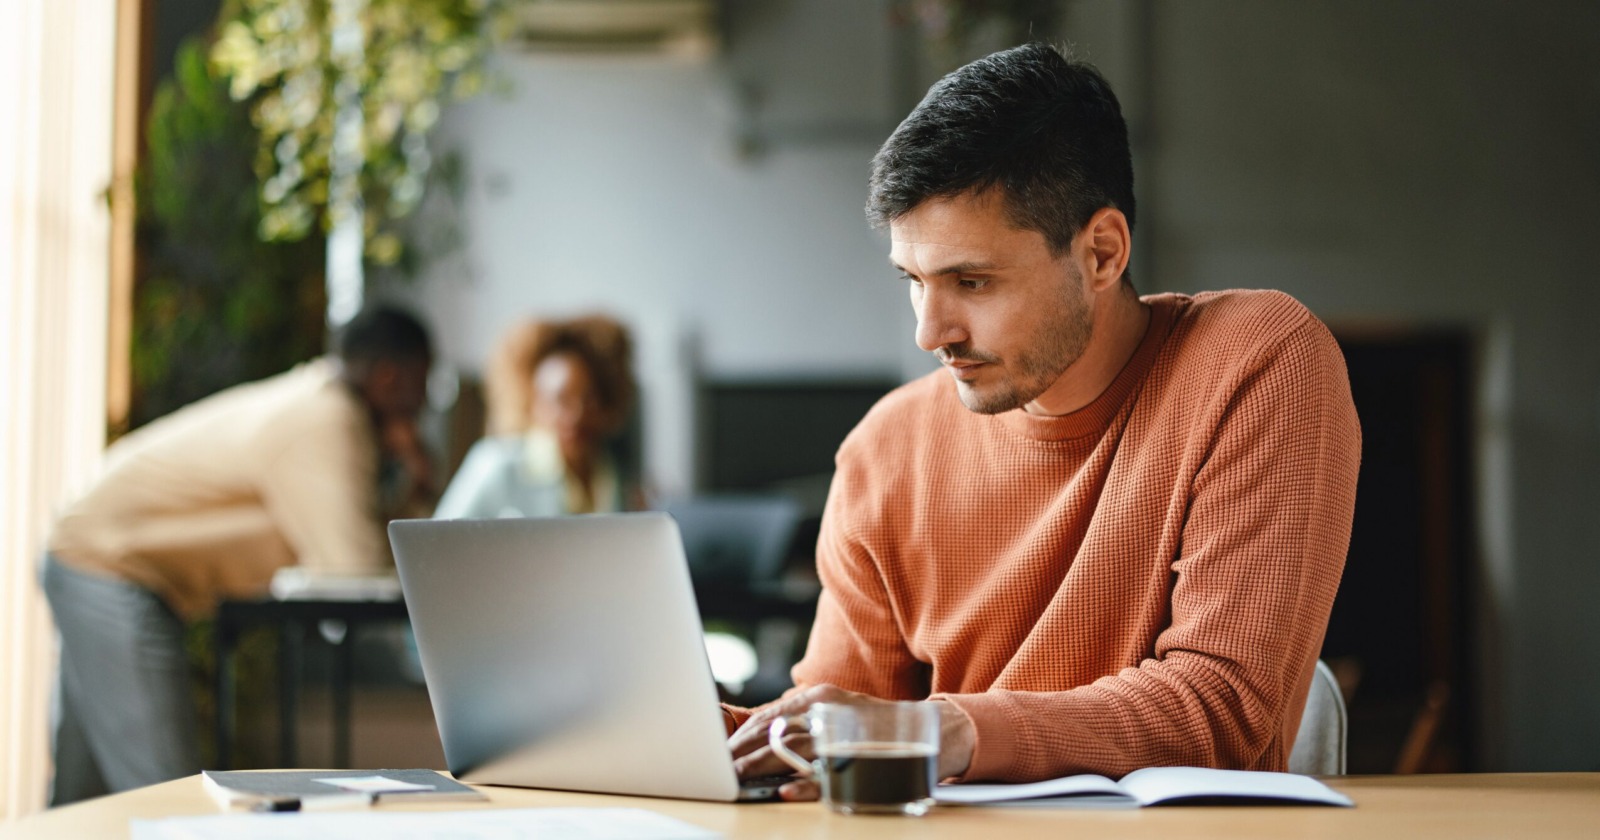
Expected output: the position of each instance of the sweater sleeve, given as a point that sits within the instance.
(857, 642)
(1262, 550)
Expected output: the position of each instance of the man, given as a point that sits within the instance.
(208, 503)
(1109, 533)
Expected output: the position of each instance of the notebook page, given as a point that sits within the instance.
(1162, 784)
(1087, 785)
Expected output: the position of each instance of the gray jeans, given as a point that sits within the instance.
(124, 716)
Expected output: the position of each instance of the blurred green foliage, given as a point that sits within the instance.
(307, 66)
(213, 304)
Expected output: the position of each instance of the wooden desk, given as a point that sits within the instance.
(1553, 805)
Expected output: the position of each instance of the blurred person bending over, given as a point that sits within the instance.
(558, 392)
(207, 503)
(1108, 534)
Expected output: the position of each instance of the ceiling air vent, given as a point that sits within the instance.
(657, 26)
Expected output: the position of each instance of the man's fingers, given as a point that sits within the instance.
(749, 738)
(753, 734)
(762, 762)
(762, 718)
(800, 790)
(758, 722)
(794, 704)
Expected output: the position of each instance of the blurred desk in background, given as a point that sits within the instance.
(337, 620)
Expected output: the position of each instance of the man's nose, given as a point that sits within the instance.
(937, 322)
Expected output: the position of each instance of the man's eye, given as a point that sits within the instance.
(909, 279)
(973, 283)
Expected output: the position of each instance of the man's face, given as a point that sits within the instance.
(397, 389)
(1003, 314)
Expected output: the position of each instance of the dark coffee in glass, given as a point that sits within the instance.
(870, 758)
(877, 777)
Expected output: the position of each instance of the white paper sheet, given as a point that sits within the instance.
(511, 824)
(372, 784)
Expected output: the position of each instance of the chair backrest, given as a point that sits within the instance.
(1320, 745)
(735, 540)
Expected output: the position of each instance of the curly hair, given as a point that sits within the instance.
(601, 342)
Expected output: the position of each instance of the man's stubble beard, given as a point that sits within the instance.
(1062, 343)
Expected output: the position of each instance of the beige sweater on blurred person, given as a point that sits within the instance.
(210, 501)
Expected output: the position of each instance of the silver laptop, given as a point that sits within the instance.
(567, 653)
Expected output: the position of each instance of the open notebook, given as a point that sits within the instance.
(296, 790)
(1153, 786)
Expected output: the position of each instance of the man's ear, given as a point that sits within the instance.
(1105, 245)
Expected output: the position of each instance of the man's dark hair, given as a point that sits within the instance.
(384, 333)
(1044, 128)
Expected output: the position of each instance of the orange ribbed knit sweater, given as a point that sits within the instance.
(1142, 582)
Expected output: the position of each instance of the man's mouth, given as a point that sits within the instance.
(964, 370)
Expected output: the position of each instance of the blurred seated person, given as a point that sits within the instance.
(205, 504)
(558, 392)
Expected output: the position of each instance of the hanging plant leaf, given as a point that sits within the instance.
(297, 61)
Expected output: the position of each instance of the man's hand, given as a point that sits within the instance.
(402, 440)
(753, 755)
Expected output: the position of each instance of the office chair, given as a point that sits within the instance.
(737, 546)
(1320, 745)
(735, 541)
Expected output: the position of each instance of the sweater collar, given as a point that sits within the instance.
(1093, 418)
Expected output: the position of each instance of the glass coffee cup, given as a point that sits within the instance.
(877, 758)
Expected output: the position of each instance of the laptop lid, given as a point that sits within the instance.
(565, 653)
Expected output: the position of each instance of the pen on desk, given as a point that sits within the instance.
(315, 803)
